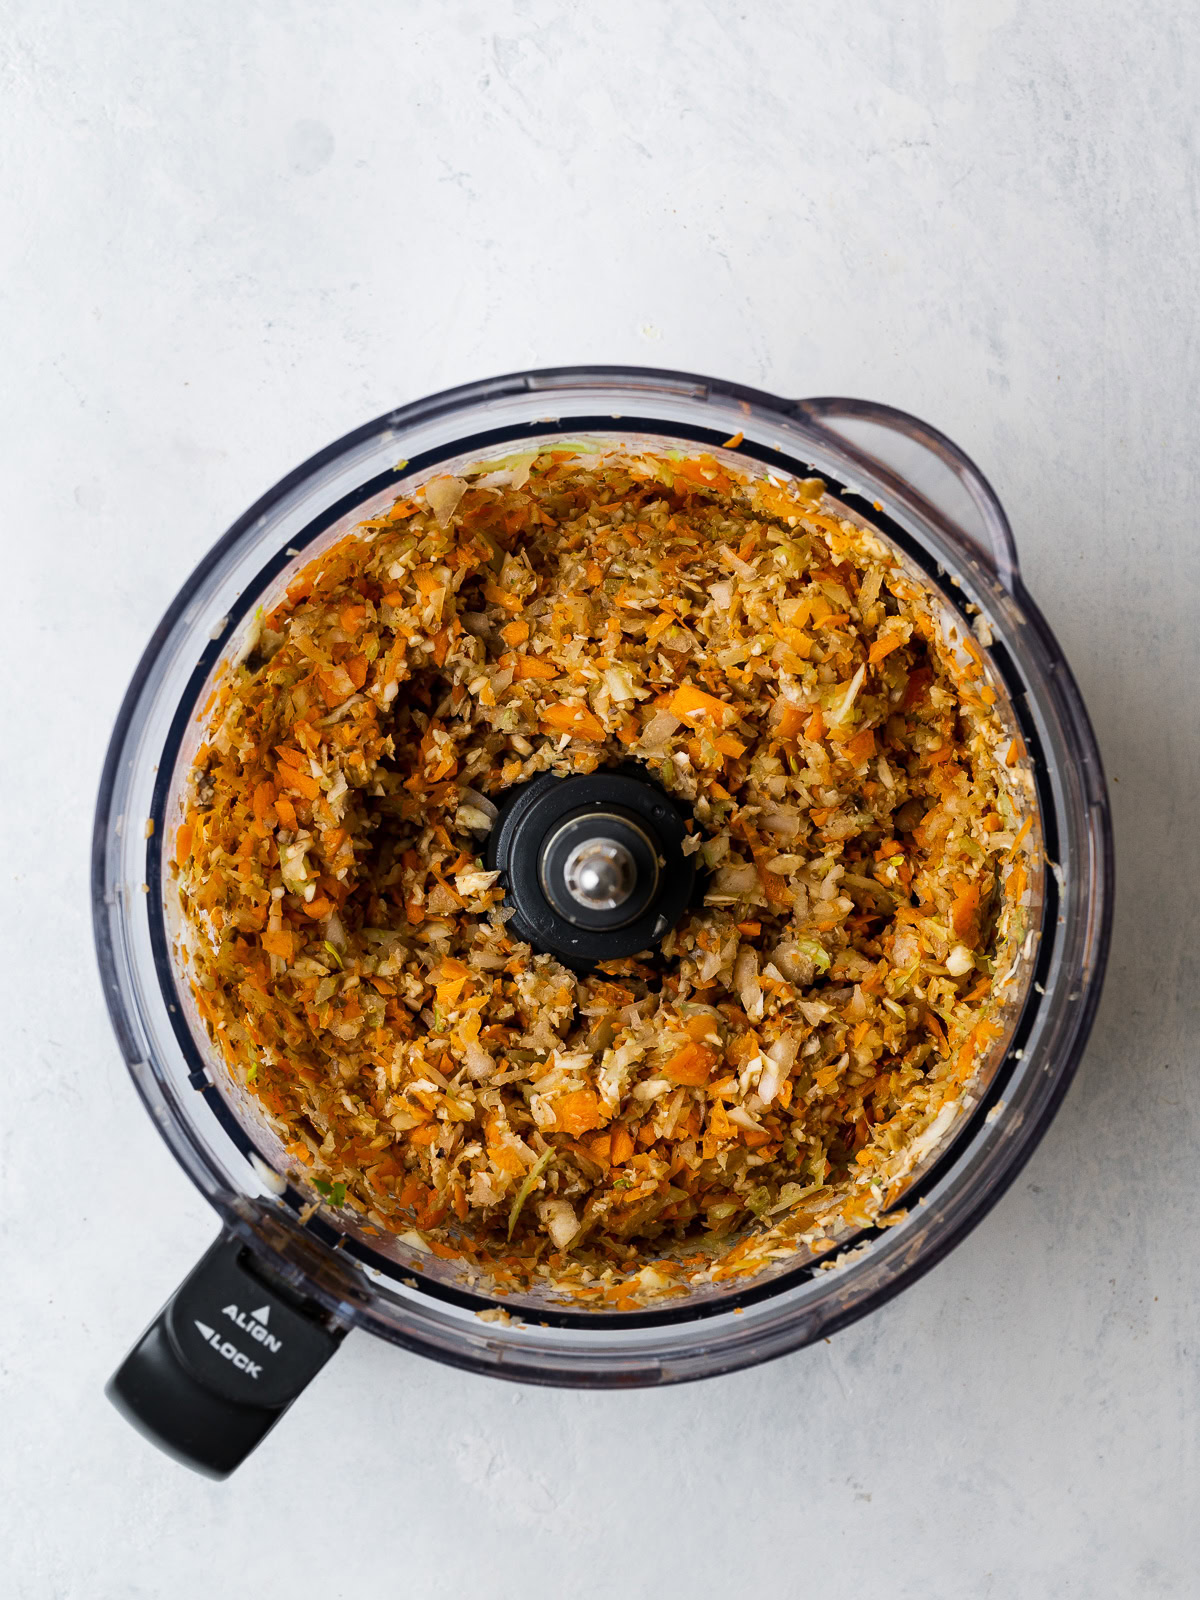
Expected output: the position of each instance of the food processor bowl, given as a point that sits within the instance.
(286, 1279)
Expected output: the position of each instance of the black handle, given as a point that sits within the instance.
(222, 1362)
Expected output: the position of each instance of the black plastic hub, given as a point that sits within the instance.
(592, 866)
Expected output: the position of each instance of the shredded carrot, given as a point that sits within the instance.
(263, 802)
(883, 647)
(501, 597)
(1019, 837)
(576, 720)
(622, 1145)
(535, 667)
(703, 471)
(578, 1112)
(791, 721)
(964, 913)
(692, 1064)
(862, 746)
(695, 706)
(304, 783)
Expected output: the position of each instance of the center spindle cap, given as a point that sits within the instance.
(600, 874)
(592, 866)
(599, 868)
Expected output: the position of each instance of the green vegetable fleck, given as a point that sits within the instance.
(526, 1189)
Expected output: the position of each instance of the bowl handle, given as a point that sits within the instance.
(919, 465)
(222, 1362)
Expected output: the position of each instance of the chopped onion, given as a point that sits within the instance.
(619, 683)
(741, 878)
(744, 569)
(479, 1063)
(745, 981)
(782, 865)
(651, 1088)
(443, 495)
(560, 1222)
(840, 712)
(469, 883)
(769, 1081)
(414, 1240)
(658, 730)
(784, 1051)
(785, 824)
(475, 819)
(796, 967)
(959, 961)
(708, 966)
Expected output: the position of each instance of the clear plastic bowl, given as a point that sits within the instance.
(888, 469)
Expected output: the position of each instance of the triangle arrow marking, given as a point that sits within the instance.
(205, 1329)
(261, 1314)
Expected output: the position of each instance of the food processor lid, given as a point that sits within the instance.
(924, 495)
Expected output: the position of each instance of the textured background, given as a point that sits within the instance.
(230, 232)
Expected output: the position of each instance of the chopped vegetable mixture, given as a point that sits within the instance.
(764, 1082)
